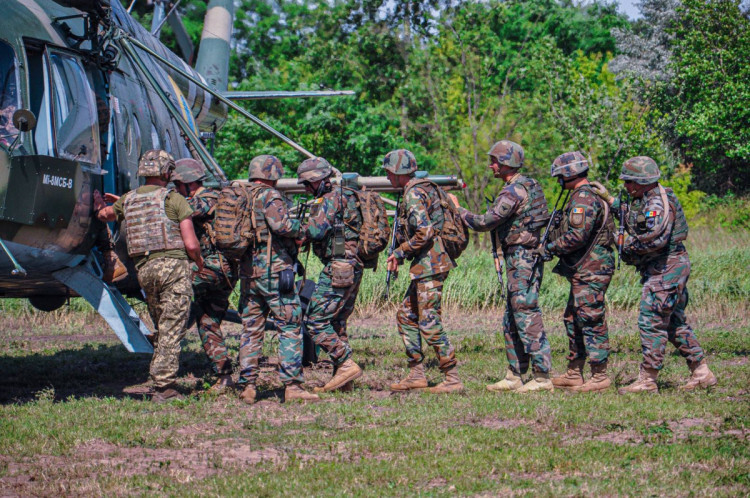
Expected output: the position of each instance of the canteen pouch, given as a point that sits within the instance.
(342, 274)
(286, 281)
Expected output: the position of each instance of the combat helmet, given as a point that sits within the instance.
(188, 170)
(265, 167)
(507, 153)
(313, 169)
(641, 170)
(400, 162)
(569, 165)
(156, 162)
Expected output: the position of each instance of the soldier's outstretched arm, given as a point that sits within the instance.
(415, 205)
(322, 215)
(505, 206)
(278, 219)
(192, 246)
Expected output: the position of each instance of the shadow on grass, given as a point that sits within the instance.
(93, 370)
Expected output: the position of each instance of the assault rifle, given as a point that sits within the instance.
(621, 228)
(554, 220)
(391, 248)
(498, 261)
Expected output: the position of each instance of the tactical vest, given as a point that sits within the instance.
(147, 227)
(350, 217)
(258, 213)
(530, 218)
(204, 226)
(680, 227)
(434, 209)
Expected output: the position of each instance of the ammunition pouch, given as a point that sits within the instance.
(286, 281)
(342, 274)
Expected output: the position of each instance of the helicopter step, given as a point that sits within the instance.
(110, 304)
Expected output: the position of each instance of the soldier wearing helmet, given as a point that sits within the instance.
(158, 228)
(267, 284)
(583, 242)
(333, 229)
(419, 316)
(515, 220)
(656, 226)
(213, 285)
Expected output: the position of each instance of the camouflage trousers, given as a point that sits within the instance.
(166, 282)
(260, 297)
(585, 319)
(525, 339)
(328, 312)
(212, 287)
(662, 313)
(420, 317)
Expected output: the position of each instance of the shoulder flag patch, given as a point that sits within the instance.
(652, 214)
(318, 200)
(578, 210)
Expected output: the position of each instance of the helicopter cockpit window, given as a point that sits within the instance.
(8, 94)
(75, 114)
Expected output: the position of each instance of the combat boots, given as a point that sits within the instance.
(540, 382)
(451, 384)
(345, 373)
(248, 394)
(700, 376)
(646, 382)
(223, 383)
(598, 381)
(165, 394)
(295, 392)
(415, 379)
(511, 382)
(573, 377)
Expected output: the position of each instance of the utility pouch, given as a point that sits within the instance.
(286, 281)
(342, 274)
(339, 242)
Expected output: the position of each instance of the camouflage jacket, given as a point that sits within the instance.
(203, 203)
(655, 233)
(513, 209)
(263, 260)
(584, 247)
(324, 213)
(417, 237)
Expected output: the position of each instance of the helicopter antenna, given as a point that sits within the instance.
(131, 6)
(155, 32)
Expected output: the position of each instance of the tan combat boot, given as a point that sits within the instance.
(345, 373)
(248, 394)
(700, 376)
(646, 382)
(451, 384)
(223, 383)
(573, 377)
(295, 392)
(598, 381)
(540, 382)
(415, 379)
(511, 382)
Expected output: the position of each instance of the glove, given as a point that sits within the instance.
(542, 252)
(602, 192)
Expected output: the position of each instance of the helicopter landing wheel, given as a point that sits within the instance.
(47, 303)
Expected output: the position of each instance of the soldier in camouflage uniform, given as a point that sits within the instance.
(657, 227)
(516, 219)
(160, 236)
(213, 285)
(583, 242)
(338, 285)
(267, 285)
(421, 219)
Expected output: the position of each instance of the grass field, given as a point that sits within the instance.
(74, 420)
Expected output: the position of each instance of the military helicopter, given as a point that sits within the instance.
(84, 91)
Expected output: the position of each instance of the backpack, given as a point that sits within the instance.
(233, 227)
(454, 233)
(375, 230)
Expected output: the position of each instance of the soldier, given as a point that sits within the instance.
(421, 219)
(333, 228)
(160, 236)
(656, 226)
(267, 284)
(583, 243)
(515, 219)
(213, 285)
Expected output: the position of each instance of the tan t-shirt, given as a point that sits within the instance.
(177, 209)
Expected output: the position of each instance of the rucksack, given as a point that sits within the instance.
(233, 227)
(375, 230)
(454, 233)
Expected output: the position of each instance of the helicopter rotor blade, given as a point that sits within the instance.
(268, 95)
(183, 39)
